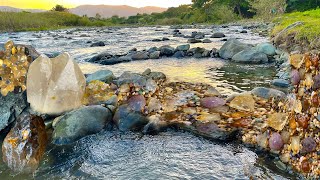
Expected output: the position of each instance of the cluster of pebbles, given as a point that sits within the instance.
(287, 127)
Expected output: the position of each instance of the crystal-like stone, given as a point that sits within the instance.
(55, 85)
(243, 102)
(277, 121)
(296, 60)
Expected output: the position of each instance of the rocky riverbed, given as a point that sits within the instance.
(191, 96)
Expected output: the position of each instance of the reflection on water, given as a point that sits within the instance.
(227, 77)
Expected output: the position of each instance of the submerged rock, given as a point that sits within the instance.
(212, 102)
(55, 85)
(25, 144)
(80, 123)
(268, 93)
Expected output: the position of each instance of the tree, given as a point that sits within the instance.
(302, 5)
(59, 8)
(98, 16)
(266, 9)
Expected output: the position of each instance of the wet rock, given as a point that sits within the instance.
(127, 119)
(137, 103)
(268, 93)
(154, 105)
(157, 76)
(165, 39)
(25, 144)
(250, 56)
(80, 123)
(206, 41)
(266, 48)
(212, 102)
(10, 107)
(55, 86)
(243, 32)
(185, 47)
(156, 40)
(97, 58)
(275, 142)
(153, 49)
(166, 50)
(140, 56)
(115, 60)
(155, 125)
(308, 145)
(151, 86)
(280, 83)
(179, 54)
(98, 44)
(210, 130)
(102, 75)
(154, 55)
(134, 78)
(243, 102)
(232, 47)
(193, 40)
(218, 35)
(206, 53)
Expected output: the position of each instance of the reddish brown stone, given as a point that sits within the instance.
(25, 144)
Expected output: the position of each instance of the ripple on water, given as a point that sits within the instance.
(170, 155)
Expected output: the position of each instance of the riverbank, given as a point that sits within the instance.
(298, 31)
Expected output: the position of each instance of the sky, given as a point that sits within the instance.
(48, 4)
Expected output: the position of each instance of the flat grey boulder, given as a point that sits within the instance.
(102, 75)
(268, 93)
(232, 47)
(250, 56)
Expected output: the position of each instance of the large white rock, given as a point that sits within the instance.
(56, 85)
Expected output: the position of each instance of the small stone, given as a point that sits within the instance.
(295, 77)
(212, 102)
(285, 135)
(244, 102)
(209, 117)
(296, 60)
(212, 92)
(277, 121)
(137, 103)
(308, 145)
(124, 88)
(154, 105)
(262, 140)
(285, 157)
(190, 110)
(275, 142)
(305, 166)
(295, 144)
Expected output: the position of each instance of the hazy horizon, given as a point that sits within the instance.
(48, 4)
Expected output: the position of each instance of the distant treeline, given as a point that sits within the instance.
(200, 11)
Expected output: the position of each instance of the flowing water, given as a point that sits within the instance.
(170, 155)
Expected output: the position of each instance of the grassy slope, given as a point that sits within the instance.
(310, 30)
(24, 21)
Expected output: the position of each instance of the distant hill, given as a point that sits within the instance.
(12, 9)
(108, 10)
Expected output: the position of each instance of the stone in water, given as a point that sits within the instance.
(56, 85)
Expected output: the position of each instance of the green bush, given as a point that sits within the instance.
(170, 21)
